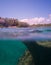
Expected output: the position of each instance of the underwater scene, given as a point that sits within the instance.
(25, 46)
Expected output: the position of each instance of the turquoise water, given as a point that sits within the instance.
(11, 51)
(11, 47)
(36, 33)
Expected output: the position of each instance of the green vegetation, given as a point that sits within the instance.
(26, 59)
(14, 52)
(45, 43)
(10, 22)
(41, 51)
(39, 25)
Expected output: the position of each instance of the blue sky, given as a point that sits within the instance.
(25, 9)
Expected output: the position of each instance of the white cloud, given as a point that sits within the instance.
(37, 20)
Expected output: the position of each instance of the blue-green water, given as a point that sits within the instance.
(11, 47)
(11, 51)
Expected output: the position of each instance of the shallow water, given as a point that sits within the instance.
(36, 33)
(37, 44)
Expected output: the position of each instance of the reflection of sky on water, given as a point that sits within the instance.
(26, 33)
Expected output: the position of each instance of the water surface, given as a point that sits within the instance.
(36, 33)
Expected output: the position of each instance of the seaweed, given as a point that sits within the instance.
(41, 53)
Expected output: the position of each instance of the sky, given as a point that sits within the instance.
(25, 9)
